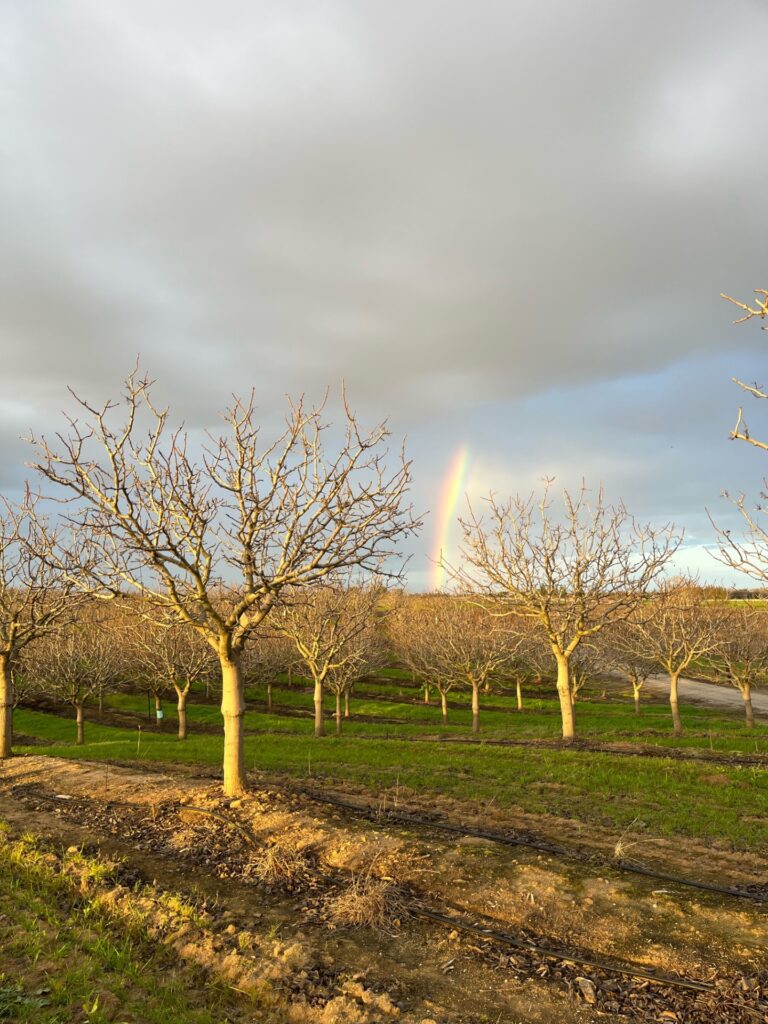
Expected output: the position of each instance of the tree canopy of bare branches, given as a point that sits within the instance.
(39, 591)
(332, 628)
(677, 627)
(213, 541)
(743, 650)
(571, 575)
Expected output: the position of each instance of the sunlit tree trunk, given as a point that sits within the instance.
(564, 693)
(636, 696)
(269, 696)
(80, 726)
(233, 713)
(444, 706)
(338, 714)
(6, 707)
(475, 708)
(319, 720)
(746, 696)
(346, 703)
(158, 707)
(181, 707)
(519, 689)
(426, 693)
(677, 723)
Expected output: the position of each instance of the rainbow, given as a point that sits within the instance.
(450, 491)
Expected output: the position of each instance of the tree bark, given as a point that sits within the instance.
(475, 709)
(346, 703)
(338, 714)
(677, 723)
(444, 705)
(6, 707)
(158, 707)
(269, 696)
(233, 712)
(426, 693)
(319, 720)
(636, 695)
(519, 695)
(181, 705)
(566, 702)
(746, 696)
(80, 727)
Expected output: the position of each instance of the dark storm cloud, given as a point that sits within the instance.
(449, 205)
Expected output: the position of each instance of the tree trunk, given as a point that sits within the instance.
(6, 707)
(158, 707)
(338, 714)
(181, 705)
(80, 728)
(269, 696)
(346, 703)
(426, 693)
(101, 702)
(566, 702)
(487, 687)
(673, 703)
(444, 705)
(475, 709)
(636, 696)
(519, 696)
(746, 696)
(233, 712)
(319, 721)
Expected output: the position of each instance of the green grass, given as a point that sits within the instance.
(63, 960)
(597, 719)
(670, 798)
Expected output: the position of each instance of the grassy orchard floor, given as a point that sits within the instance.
(658, 795)
(597, 719)
(77, 965)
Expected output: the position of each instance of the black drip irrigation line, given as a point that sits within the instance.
(612, 967)
(536, 844)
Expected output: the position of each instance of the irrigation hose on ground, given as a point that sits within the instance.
(400, 818)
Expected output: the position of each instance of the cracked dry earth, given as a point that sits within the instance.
(321, 909)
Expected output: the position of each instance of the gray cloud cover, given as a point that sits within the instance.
(505, 224)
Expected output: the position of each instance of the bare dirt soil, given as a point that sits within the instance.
(285, 879)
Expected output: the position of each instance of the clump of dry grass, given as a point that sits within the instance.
(366, 902)
(280, 863)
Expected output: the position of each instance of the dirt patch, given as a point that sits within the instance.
(149, 818)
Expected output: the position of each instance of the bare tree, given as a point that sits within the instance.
(627, 652)
(271, 656)
(743, 651)
(39, 592)
(677, 628)
(572, 577)
(214, 542)
(76, 662)
(168, 655)
(331, 626)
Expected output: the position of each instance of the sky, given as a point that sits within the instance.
(506, 225)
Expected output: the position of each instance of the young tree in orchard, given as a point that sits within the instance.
(572, 576)
(418, 630)
(626, 651)
(743, 651)
(76, 663)
(366, 654)
(330, 626)
(271, 656)
(39, 593)
(676, 627)
(214, 541)
(168, 656)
